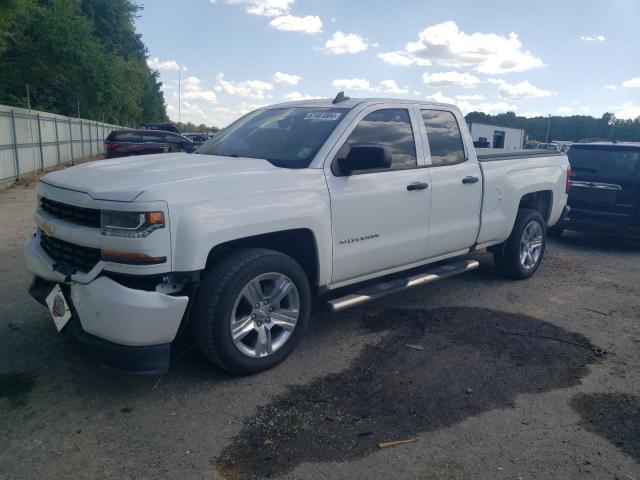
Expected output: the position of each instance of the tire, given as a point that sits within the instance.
(508, 260)
(555, 231)
(224, 293)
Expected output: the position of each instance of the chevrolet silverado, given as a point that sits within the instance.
(345, 200)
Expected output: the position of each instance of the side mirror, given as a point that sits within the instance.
(365, 157)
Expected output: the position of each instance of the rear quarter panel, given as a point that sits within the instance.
(506, 181)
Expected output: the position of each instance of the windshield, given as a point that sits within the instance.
(286, 137)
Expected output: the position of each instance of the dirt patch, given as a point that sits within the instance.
(473, 360)
(16, 387)
(615, 417)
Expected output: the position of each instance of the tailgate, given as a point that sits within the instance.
(605, 180)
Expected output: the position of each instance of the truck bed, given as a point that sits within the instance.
(507, 176)
(495, 154)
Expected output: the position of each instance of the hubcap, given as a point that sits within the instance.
(265, 314)
(531, 245)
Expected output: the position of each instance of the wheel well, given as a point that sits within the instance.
(299, 244)
(539, 201)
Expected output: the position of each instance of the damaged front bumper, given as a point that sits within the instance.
(128, 328)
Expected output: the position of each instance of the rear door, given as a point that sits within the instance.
(379, 218)
(122, 143)
(154, 141)
(605, 181)
(456, 183)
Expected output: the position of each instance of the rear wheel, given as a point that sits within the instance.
(251, 310)
(522, 253)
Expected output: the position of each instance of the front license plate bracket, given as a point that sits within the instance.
(58, 307)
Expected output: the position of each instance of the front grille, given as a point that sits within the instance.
(70, 255)
(89, 217)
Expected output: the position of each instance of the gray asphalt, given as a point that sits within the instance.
(478, 403)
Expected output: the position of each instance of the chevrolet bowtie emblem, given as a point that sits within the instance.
(48, 228)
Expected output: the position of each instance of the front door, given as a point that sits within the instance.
(379, 218)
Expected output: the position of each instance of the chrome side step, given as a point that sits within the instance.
(394, 286)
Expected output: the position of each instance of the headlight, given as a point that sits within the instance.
(130, 224)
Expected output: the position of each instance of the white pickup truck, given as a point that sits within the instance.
(294, 201)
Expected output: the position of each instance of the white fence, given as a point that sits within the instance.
(32, 140)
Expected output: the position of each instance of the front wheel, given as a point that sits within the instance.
(251, 310)
(522, 252)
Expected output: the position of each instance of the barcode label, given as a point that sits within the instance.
(328, 116)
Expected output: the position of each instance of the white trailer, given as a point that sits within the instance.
(493, 136)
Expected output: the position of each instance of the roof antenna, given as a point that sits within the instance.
(340, 98)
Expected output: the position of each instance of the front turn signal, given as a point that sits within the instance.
(131, 258)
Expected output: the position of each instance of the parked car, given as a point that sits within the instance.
(167, 127)
(555, 146)
(605, 193)
(563, 146)
(124, 143)
(293, 201)
(198, 137)
(549, 146)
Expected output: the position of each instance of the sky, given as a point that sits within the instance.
(533, 58)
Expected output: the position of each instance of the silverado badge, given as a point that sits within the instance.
(358, 239)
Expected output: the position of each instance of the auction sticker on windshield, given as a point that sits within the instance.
(327, 116)
(58, 307)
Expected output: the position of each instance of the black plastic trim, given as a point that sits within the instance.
(564, 216)
(40, 289)
(148, 360)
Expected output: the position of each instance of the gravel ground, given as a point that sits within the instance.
(487, 378)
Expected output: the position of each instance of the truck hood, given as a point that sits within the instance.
(124, 179)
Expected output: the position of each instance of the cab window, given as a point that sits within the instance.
(445, 140)
(391, 128)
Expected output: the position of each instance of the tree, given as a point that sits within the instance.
(78, 53)
(190, 127)
(572, 128)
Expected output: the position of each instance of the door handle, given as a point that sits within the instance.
(417, 186)
(470, 179)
